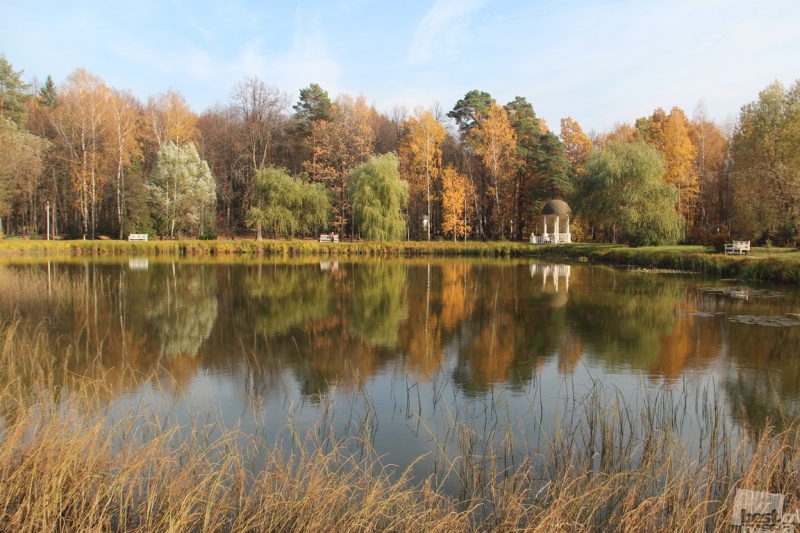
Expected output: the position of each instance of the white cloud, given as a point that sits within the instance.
(443, 29)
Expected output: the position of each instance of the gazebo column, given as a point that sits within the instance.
(545, 229)
(557, 221)
(569, 237)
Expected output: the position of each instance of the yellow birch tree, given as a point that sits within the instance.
(123, 145)
(457, 203)
(679, 160)
(670, 135)
(171, 119)
(495, 142)
(577, 145)
(421, 153)
(82, 120)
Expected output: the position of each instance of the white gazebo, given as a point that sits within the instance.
(558, 210)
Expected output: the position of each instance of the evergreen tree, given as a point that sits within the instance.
(47, 93)
(13, 93)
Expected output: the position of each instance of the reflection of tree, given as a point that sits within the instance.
(693, 342)
(625, 327)
(766, 381)
(182, 308)
(377, 302)
(286, 296)
(512, 328)
(439, 303)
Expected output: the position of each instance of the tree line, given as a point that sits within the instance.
(95, 160)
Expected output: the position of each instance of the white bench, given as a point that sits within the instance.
(137, 237)
(738, 248)
(328, 238)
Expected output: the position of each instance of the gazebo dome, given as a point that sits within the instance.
(557, 208)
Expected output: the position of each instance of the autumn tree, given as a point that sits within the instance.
(171, 119)
(123, 147)
(766, 165)
(577, 145)
(182, 190)
(82, 120)
(622, 132)
(670, 135)
(494, 141)
(457, 204)
(220, 146)
(262, 112)
(22, 157)
(378, 197)
(421, 152)
(714, 196)
(341, 143)
(623, 191)
(385, 134)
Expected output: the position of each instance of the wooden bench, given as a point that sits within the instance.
(137, 237)
(328, 238)
(738, 248)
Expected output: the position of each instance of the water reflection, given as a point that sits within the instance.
(181, 308)
(275, 326)
(287, 296)
(377, 302)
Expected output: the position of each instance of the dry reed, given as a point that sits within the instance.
(69, 463)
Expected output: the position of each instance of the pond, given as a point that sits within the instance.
(404, 354)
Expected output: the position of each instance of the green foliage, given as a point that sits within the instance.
(553, 167)
(378, 303)
(287, 205)
(208, 235)
(466, 110)
(766, 166)
(182, 190)
(47, 93)
(13, 93)
(314, 104)
(286, 297)
(542, 170)
(378, 196)
(622, 189)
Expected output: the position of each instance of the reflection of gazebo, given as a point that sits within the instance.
(557, 209)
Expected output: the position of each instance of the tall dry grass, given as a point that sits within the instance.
(600, 463)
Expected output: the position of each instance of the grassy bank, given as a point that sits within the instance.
(765, 264)
(70, 463)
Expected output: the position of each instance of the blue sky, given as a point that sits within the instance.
(600, 62)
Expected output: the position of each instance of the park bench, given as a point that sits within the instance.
(328, 238)
(738, 248)
(137, 237)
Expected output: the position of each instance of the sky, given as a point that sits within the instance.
(600, 62)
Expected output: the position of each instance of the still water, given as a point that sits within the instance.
(397, 351)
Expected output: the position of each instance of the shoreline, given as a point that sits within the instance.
(779, 265)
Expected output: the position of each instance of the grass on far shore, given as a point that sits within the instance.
(780, 265)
